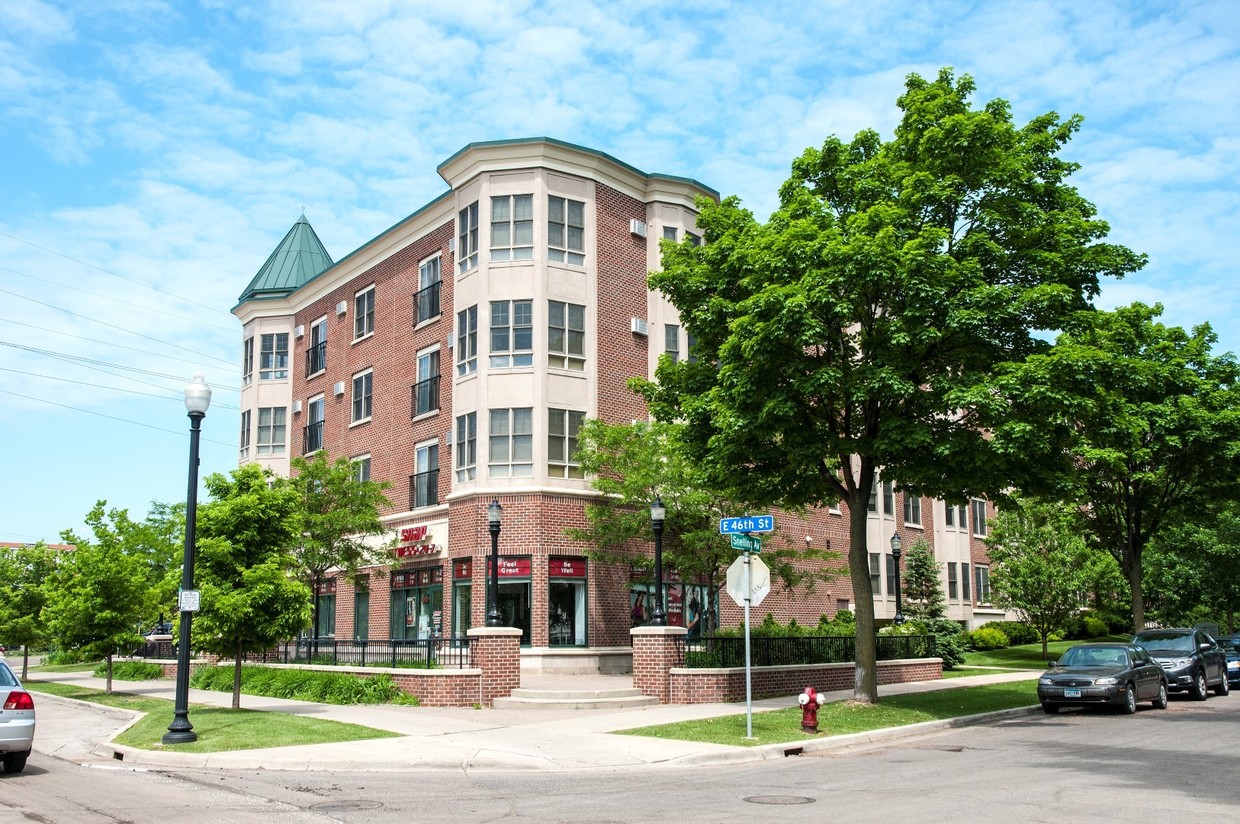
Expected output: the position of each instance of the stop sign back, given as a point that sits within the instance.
(760, 584)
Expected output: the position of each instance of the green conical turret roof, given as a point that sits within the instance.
(298, 258)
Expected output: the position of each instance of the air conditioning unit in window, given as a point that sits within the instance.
(342, 307)
(338, 388)
(452, 245)
(637, 227)
(296, 407)
(638, 326)
(299, 332)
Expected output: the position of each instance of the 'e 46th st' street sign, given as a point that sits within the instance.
(747, 523)
(746, 543)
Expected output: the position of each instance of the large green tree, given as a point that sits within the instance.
(1040, 565)
(23, 572)
(1155, 418)
(861, 325)
(338, 523)
(1193, 571)
(246, 571)
(631, 464)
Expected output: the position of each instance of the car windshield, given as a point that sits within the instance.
(1094, 657)
(7, 679)
(1230, 644)
(1167, 642)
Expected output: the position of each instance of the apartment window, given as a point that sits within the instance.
(512, 227)
(912, 509)
(964, 583)
(979, 520)
(511, 443)
(272, 430)
(949, 515)
(467, 240)
(316, 355)
(424, 485)
(566, 229)
(671, 340)
(691, 348)
(983, 583)
(876, 583)
(247, 361)
(566, 335)
(273, 357)
(467, 341)
(361, 468)
(872, 505)
(361, 610)
(363, 388)
(312, 436)
(245, 434)
(953, 585)
(512, 333)
(889, 499)
(669, 233)
(694, 240)
(364, 313)
(891, 574)
(562, 428)
(426, 301)
(426, 390)
(467, 447)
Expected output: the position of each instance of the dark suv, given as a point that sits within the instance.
(1192, 660)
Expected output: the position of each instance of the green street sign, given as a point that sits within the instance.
(746, 543)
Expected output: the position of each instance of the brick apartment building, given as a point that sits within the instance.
(456, 354)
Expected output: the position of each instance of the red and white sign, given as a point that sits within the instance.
(463, 570)
(513, 567)
(412, 541)
(416, 549)
(566, 568)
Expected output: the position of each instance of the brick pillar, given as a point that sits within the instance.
(654, 654)
(497, 652)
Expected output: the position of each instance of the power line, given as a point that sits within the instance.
(115, 299)
(102, 386)
(104, 364)
(112, 417)
(109, 272)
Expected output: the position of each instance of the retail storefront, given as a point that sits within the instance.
(515, 603)
(566, 602)
(417, 603)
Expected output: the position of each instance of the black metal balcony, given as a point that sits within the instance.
(426, 303)
(316, 358)
(425, 397)
(424, 489)
(312, 438)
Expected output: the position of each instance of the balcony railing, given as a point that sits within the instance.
(424, 489)
(426, 303)
(425, 397)
(312, 438)
(316, 358)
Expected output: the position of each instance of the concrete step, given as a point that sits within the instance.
(585, 699)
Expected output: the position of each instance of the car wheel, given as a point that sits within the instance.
(1050, 709)
(1160, 703)
(1223, 687)
(15, 762)
(1200, 691)
(1130, 700)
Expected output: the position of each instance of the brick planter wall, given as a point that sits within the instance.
(706, 686)
(654, 655)
(497, 652)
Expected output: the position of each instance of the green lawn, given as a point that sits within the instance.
(844, 717)
(218, 729)
(961, 672)
(1028, 656)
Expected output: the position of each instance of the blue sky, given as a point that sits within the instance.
(153, 154)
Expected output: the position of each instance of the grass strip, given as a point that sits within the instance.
(845, 717)
(1029, 656)
(219, 729)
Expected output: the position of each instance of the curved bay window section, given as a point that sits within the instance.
(566, 602)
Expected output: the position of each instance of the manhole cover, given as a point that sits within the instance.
(779, 799)
(345, 806)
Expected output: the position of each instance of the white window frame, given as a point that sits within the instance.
(244, 450)
(422, 464)
(671, 340)
(566, 335)
(510, 443)
(361, 467)
(563, 426)
(981, 574)
(966, 593)
(428, 365)
(912, 509)
(876, 575)
(953, 585)
(247, 361)
(318, 337)
(270, 366)
(266, 442)
(364, 313)
(512, 343)
(977, 508)
(430, 273)
(362, 406)
(467, 341)
(671, 233)
(467, 238)
(566, 241)
(319, 403)
(465, 455)
(889, 499)
(512, 227)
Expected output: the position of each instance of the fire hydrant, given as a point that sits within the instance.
(810, 701)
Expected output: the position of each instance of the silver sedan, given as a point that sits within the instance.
(16, 721)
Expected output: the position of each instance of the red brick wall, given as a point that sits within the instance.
(708, 686)
(654, 655)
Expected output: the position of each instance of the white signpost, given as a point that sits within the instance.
(749, 581)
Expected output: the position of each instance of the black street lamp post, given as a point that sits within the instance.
(658, 616)
(895, 559)
(494, 513)
(197, 399)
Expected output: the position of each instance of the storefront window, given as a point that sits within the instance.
(514, 594)
(325, 606)
(566, 602)
(686, 605)
(462, 597)
(417, 603)
(361, 610)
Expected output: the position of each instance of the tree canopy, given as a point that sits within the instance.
(923, 589)
(23, 572)
(861, 326)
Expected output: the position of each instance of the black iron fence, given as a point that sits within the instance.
(770, 652)
(423, 653)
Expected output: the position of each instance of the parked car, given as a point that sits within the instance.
(1192, 659)
(1231, 648)
(1103, 674)
(16, 721)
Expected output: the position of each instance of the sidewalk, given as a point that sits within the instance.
(457, 739)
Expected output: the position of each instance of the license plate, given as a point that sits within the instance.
(1069, 692)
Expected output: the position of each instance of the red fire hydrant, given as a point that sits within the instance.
(810, 701)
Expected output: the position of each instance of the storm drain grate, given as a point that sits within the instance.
(779, 799)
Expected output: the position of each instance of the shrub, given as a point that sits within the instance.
(1017, 632)
(130, 671)
(304, 685)
(987, 638)
(62, 657)
(1094, 627)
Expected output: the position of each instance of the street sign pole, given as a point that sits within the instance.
(748, 660)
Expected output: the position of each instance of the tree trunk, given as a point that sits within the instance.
(25, 661)
(108, 661)
(865, 673)
(1132, 571)
(1045, 654)
(236, 704)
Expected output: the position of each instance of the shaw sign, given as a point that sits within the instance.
(414, 540)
